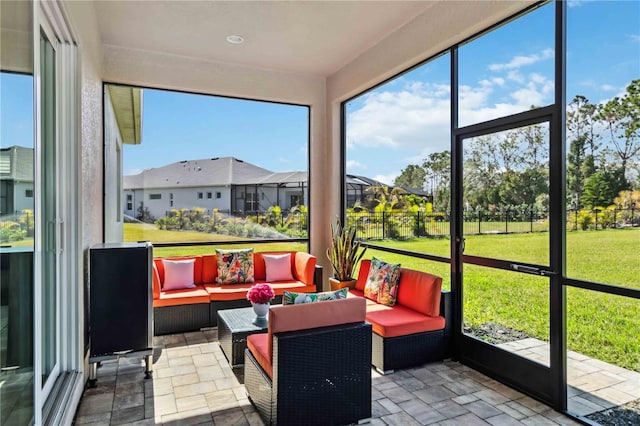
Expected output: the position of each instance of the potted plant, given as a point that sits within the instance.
(345, 252)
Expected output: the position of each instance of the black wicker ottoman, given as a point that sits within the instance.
(234, 325)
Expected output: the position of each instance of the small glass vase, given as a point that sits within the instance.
(261, 310)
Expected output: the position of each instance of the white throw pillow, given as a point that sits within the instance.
(278, 267)
(178, 274)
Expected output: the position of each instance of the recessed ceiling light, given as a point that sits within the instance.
(235, 39)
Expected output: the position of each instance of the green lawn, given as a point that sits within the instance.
(599, 325)
(602, 326)
(147, 232)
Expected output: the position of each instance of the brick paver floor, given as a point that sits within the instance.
(193, 384)
(594, 385)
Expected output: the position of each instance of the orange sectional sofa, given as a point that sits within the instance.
(417, 329)
(190, 309)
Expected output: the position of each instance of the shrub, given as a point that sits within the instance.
(11, 231)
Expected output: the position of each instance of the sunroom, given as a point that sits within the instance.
(478, 95)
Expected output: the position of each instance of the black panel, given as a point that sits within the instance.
(520, 373)
(120, 297)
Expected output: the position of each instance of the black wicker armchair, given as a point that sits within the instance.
(320, 375)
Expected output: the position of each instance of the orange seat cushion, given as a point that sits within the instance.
(420, 291)
(185, 296)
(358, 293)
(227, 291)
(388, 321)
(258, 344)
(239, 291)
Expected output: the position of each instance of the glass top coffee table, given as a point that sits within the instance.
(234, 325)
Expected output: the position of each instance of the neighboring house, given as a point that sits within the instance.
(357, 188)
(16, 180)
(418, 192)
(226, 184)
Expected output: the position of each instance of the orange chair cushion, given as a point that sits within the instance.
(396, 321)
(420, 291)
(258, 344)
(187, 296)
(363, 273)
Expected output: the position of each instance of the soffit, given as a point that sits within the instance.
(306, 37)
(127, 106)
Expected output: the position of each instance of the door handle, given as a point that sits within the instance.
(526, 269)
(532, 270)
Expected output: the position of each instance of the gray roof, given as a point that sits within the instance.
(16, 163)
(283, 177)
(362, 180)
(193, 173)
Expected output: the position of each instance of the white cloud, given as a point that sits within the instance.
(536, 92)
(284, 160)
(407, 123)
(635, 37)
(577, 3)
(608, 88)
(515, 76)
(386, 179)
(407, 119)
(522, 60)
(354, 164)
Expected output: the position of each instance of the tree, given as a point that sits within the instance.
(412, 176)
(437, 167)
(602, 187)
(596, 191)
(583, 146)
(621, 115)
(144, 215)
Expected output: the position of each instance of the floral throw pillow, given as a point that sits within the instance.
(235, 266)
(293, 298)
(382, 282)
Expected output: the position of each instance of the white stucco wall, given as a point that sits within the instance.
(82, 19)
(112, 175)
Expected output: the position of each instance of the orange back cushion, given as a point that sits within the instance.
(209, 268)
(420, 291)
(312, 315)
(259, 268)
(365, 265)
(156, 281)
(304, 267)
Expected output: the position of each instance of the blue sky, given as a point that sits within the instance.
(397, 124)
(501, 73)
(178, 126)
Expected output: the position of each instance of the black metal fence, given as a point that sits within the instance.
(402, 225)
(267, 224)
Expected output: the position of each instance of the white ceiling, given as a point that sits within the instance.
(307, 37)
